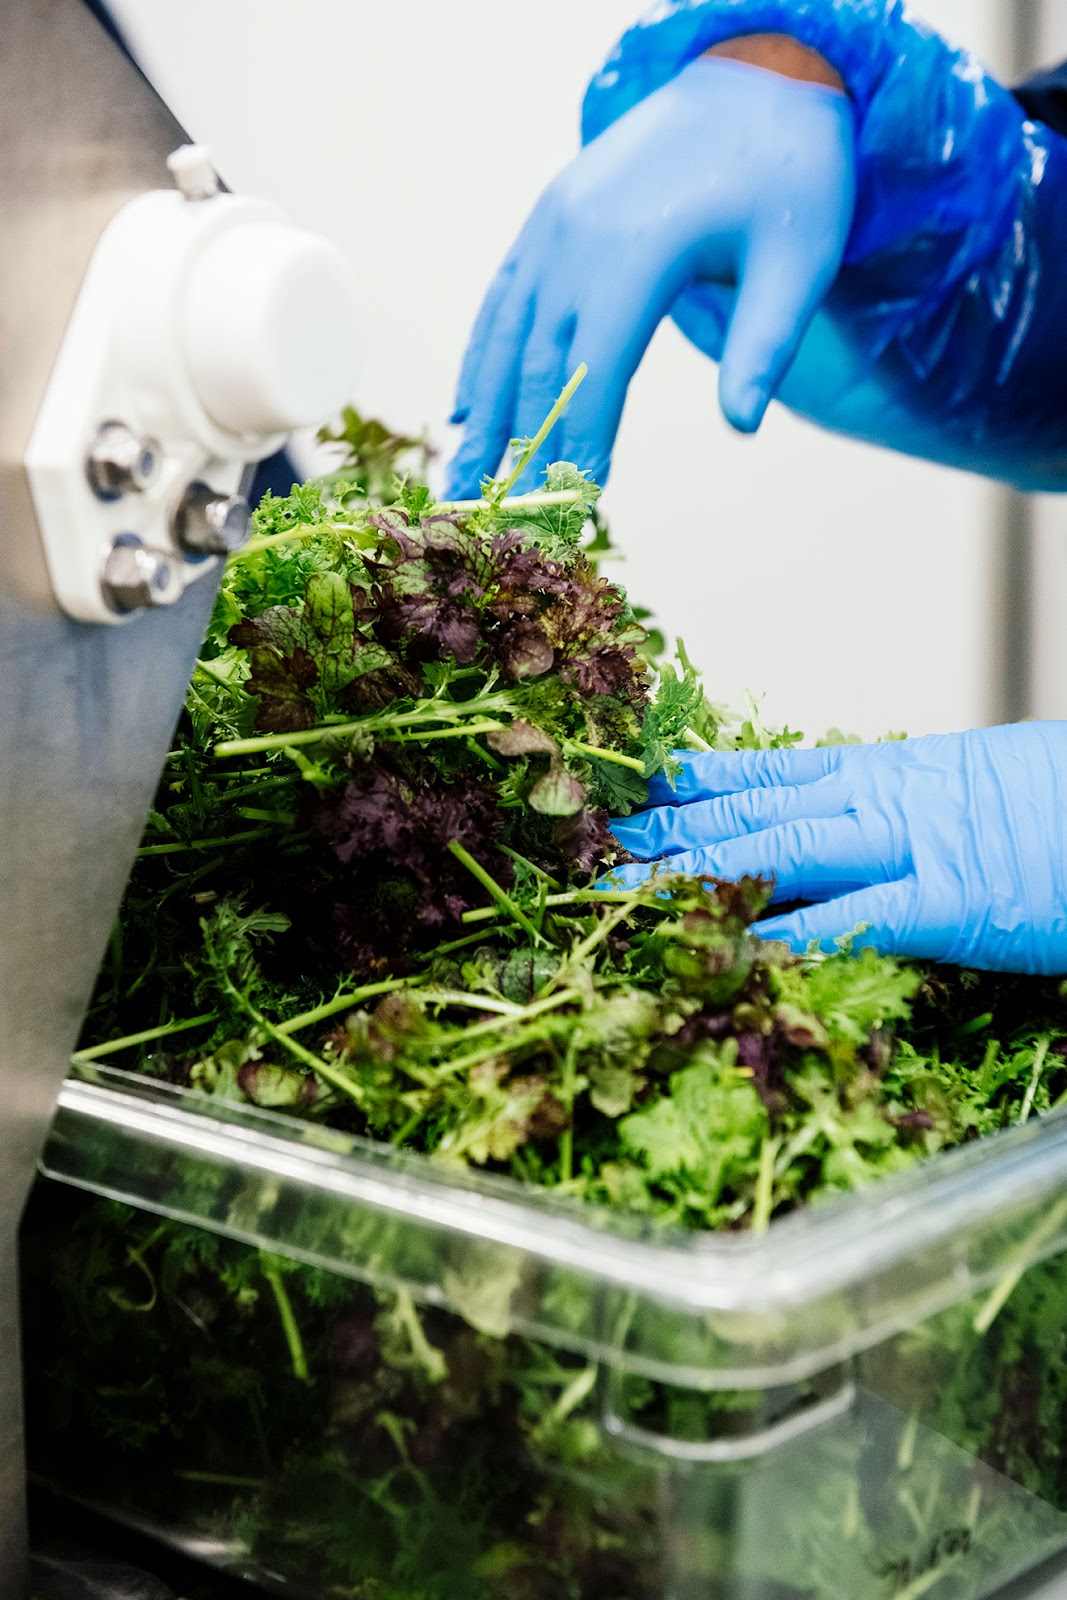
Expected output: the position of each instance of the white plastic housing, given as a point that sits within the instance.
(212, 325)
(270, 328)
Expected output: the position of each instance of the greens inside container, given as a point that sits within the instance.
(366, 904)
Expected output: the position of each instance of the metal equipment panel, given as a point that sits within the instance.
(86, 711)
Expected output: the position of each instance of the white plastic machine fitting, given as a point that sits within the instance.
(268, 328)
(208, 327)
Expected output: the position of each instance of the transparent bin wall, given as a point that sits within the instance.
(345, 1443)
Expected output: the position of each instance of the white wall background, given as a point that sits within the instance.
(845, 585)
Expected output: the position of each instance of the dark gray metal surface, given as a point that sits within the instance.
(1014, 556)
(85, 712)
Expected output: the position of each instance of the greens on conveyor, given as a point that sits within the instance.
(364, 898)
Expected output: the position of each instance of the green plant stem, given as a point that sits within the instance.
(974, 1506)
(1040, 1056)
(570, 1398)
(574, 897)
(323, 1069)
(906, 1448)
(520, 1036)
(204, 844)
(544, 430)
(271, 541)
(467, 731)
(225, 1480)
(536, 1008)
(605, 755)
(586, 947)
(988, 1068)
(566, 1143)
(403, 728)
(339, 1080)
(489, 883)
(462, 944)
(375, 726)
(764, 1205)
(284, 780)
(518, 502)
(524, 861)
(429, 1358)
(297, 1356)
(208, 668)
(474, 1002)
(182, 884)
(342, 1002)
(1025, 1258)
(146, 1036)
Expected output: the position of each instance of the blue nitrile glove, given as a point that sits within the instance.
(726, 173)
(952, 848)
(946, 333)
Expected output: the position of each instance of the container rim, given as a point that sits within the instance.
(801, 1259)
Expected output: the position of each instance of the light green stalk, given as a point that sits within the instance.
(273, 1275)
(544, 430)
(489, 883)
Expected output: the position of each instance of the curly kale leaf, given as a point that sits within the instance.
(704, 1136)
(667, 722)
(558, 529)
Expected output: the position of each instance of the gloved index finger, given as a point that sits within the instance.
(475, 352)
(617, 311)
(708, 775)
(490, 374)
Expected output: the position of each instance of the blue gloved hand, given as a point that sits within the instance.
(945, 335)
(726, 173)
(952, 848)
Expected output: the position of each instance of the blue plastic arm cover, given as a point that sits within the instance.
(725, 173)
(948, 848)
(946, 333)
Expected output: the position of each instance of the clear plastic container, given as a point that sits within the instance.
(359, 1375)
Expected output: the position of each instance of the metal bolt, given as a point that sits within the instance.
(121, 461)
(208, 523)
(135, 577)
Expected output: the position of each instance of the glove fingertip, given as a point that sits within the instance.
(744, 406)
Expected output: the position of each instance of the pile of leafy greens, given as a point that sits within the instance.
(366, 897)
(366, 889)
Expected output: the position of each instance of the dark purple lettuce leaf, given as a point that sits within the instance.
(391, 828)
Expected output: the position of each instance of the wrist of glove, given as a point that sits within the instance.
(949, 848)
(945, 334)
(908, 85)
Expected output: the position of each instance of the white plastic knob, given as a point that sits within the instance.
(271, 328)
(193, 171)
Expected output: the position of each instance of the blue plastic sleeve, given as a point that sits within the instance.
(952, 287)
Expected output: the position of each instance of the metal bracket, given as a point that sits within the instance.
(122, 381)
(207, 328)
